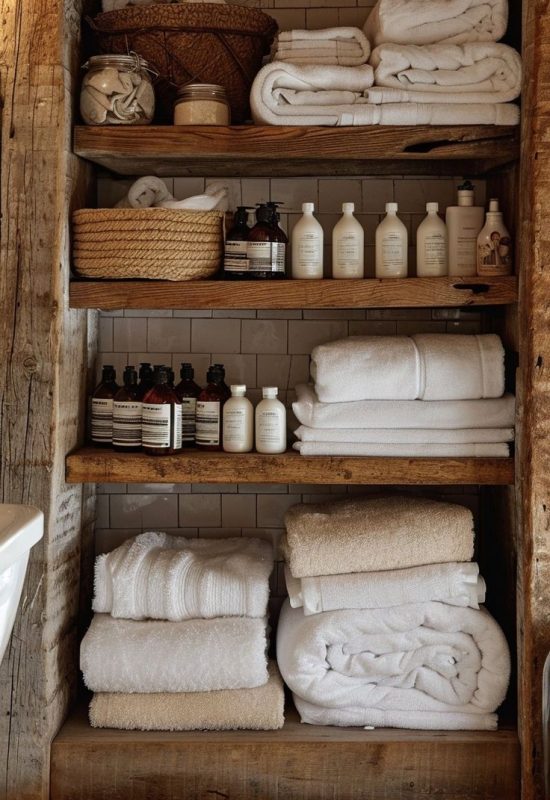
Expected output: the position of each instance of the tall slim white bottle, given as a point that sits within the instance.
(391, 245)
(464, 222)
(348, 245)
(431, 244)
(307, 245)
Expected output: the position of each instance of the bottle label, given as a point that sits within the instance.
(234, 426)
(177, 426)
(127, 424)
(268, 429)
(393, 252)
(308, 255)
(208, 422)
(235, 257)
(161, 425)
(102, 420)
(494, 255)
(435, 254)
(266, 256)
(188, 409)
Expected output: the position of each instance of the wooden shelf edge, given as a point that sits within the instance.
(292, 294)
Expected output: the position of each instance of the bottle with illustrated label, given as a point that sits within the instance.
(270, 423)
(101, 429)
(161, 417)
(464, 222)
(264, 261)
(187, 392)
(235, 259)
(208, 418)
(238, 422)
(127, 414)
(348, 245)
(391, 242)
(494, 245)
(307, 245)
(431, 244)
(145, 380)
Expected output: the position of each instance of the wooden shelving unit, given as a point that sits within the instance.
(249, 150)
(370, 293)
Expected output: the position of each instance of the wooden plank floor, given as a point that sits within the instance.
(300, 762)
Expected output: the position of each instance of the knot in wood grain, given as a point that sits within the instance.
(30, 365)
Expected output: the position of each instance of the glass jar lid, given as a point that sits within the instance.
(201, 91)
(130, 63)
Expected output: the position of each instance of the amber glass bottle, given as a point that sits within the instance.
(187, 391)
(127, 415)
(101, 428)
(210, 402)
(225, 387)
(235, 261)
(264, 258)
(145, 380)
(161, 417)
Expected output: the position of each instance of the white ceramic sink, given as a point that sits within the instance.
(20, 528)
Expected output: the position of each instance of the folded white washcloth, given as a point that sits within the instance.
(198, 655)
(458, 584)
(426, 664)
(145, 192)
(402, 450)
(372, 534)
(418, 22)
(477, 72)
(403, 414)
(344, 46)
(157, 576)
(405, 436)
(427, 366)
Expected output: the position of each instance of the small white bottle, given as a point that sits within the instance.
(431, 244)
(270, 422)
(494, 245)
(391, 245)
(464, 223)
(348, 245)
(307, 245)
(238, 422)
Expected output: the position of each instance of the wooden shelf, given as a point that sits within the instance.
(299, 762)
(370, 293)
(277, 151)
(102, 465)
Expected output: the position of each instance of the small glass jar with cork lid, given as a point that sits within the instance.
(201, 104)
(117, 90)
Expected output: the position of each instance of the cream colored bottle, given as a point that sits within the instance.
(238, 422)
(307, 245)
(348, 245)
(464, 223)
(431, 244)
(391, 242)
(494, 245)
(270, 422)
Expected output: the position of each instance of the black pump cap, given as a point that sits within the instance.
(146, 373)
(187, 373)
(130, 376)
(467, 186)
(161, 374)
(221, 369)
(241, 215)
(214, 374)
(264, 213)
(108, 373)
(171, 376)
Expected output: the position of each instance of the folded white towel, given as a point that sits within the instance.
(371, 534)
(403, 414)
(402, 450)
(215, 198)
(157, 576)
(458, 584)
(427, 366)
(429, 663)
(344, 46)
(419, 22)
(199, 655)
(145, 192)
(405, 436)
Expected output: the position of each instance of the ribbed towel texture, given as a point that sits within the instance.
(259, 709)
(401, 436)
(371, 534)
(402, 450)
(156, 576)
(346, 47)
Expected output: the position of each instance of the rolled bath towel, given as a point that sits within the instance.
(424, 665)
(402, 450)
(366, 534)
(259, 709)
(455, 584)
(405, 435)
(156, 576)
(145, 192)
(403, 414)
(427, 366)
(477, 72)
(346, 47)
(419, 22)
(198, 655)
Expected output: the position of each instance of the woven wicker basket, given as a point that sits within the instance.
(192, 43)
(156, 243)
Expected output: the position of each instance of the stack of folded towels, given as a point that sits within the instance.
(383, 626)
(435, 62)
(179, 636)
(424, 395)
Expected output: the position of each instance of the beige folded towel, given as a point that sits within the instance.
(260, 709)
(365, 534)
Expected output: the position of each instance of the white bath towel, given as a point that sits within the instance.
(455, 584)
(478, 72)
(402, 450)
(427, 665)
(343, 46)
(403, 414)
(404, 435)
(199, 655)
(156, 576)
(371, 534)
(419, 22)
(427, 366)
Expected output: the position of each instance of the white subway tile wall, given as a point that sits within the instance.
(262, 348)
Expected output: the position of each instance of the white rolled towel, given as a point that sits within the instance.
(419, 22)
(458, 584)
(385, 450)
(145, 192)
(214, 198)
(198, 655)
(344, 46)
(405, 435)
(427, 366)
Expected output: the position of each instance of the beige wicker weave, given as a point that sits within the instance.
(156, 243)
